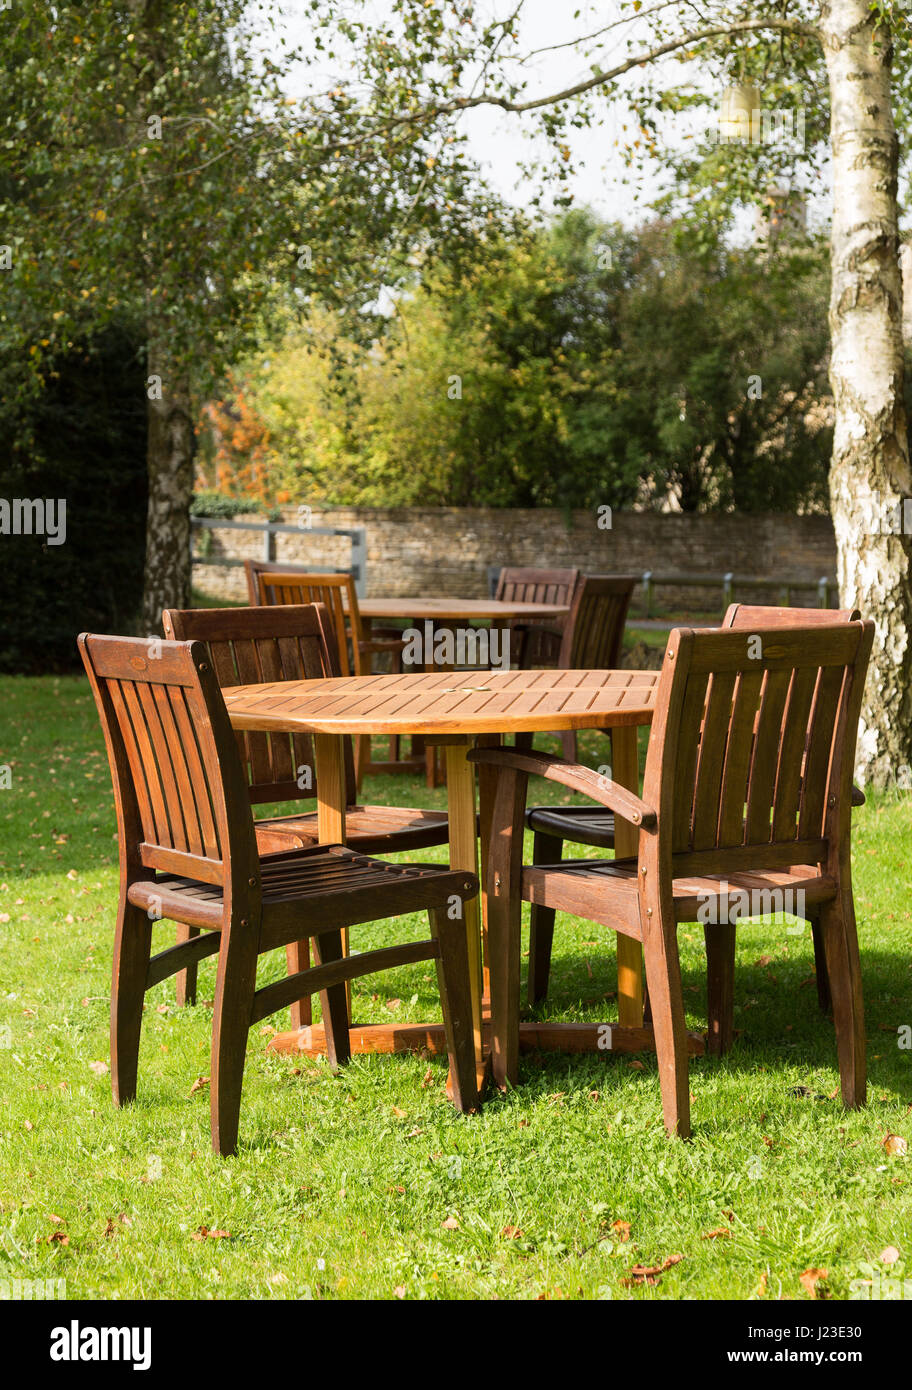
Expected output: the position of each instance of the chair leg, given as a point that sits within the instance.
(720, 987)
(327, 947)
(663, 973)
(362, 758)
(546, 849)
(824, 998)
(185, 981)
(503, 954)
(132, 949)
(840, 941)
(234, 990)
(456, 1003)
(569, 744)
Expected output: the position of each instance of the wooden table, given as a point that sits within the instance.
(456, 610)
(457, 710)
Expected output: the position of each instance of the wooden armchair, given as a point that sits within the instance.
(747, 789)
(188, 853)
(533, 644)
(590, 825)
(291, 642)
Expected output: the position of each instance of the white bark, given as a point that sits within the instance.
(870, 468)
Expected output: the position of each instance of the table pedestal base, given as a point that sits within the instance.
(429, 1038)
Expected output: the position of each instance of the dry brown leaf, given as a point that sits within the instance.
(511, 1233)
(58, 1238)
(761, 1287)
(199, 1083)
(399, 1291)
(650, 1274)
(889, 1256)
(809, 1279)
(400, 1114)
(896, 1146)
(764, 961)
(99, 1068)
(636, 1066)
(204, 1233)
(393, 1004)
(720, 1231)
(621, 1229)
(52, 1216)
(427, 1079)
(28, 1125)
(451, 1224)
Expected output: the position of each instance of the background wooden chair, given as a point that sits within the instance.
(356, 651)
(533, 644)
(188, 853)
(593, 634)
(594, 826)
(291, 642)
(748, 787)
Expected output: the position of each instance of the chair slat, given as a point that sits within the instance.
(738, 758)
(815, 781)
(692, 710)
(711, 762)
(765, 757)
(791, 753)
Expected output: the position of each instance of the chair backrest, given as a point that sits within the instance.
(526, 585)
(751, 755)
(178, 783)
(336, 591)
(248, 646)
(254, 568)
(595, 628)
(741, 615)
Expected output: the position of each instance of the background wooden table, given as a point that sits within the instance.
(456, 709)
(455, 610)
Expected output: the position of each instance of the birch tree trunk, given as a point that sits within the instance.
(171, 447)
(870, 471)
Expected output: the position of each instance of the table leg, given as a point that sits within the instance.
(625, 771)
(330, 775)
(464, 855)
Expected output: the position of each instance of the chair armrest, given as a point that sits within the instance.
(858, 797)
(573, 775)
(382, 645)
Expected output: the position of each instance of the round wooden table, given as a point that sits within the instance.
(455, 610)
(458, 709)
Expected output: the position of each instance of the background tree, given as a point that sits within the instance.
(153, 167)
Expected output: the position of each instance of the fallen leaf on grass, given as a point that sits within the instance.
(896, 1146)
(204, 1233)
(649, 1274)
(511, 1233)
(451, 1224)
(720, 1231)
(427, 1079)
(889, 1256)
(393, 1004)
(58, 1238)
(761, 1287)
(52, 1216)
(99, 1068)
(400, 1114)
(636, 1066)
(810, 1278)
(199, 1083)
(399, 1291)
(621, 1229)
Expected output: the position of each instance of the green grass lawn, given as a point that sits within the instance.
(368, 1184)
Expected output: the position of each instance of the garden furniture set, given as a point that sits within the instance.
(747, 788)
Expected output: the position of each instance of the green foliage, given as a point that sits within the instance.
(572, 365)
(216, 504)
(81, 438)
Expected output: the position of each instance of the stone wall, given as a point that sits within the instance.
(447, 550)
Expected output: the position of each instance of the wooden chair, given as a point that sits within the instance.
(291, 642)
(748, 787)
(356, 650)
(188, 853)
(533, 644)
(589, 825)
